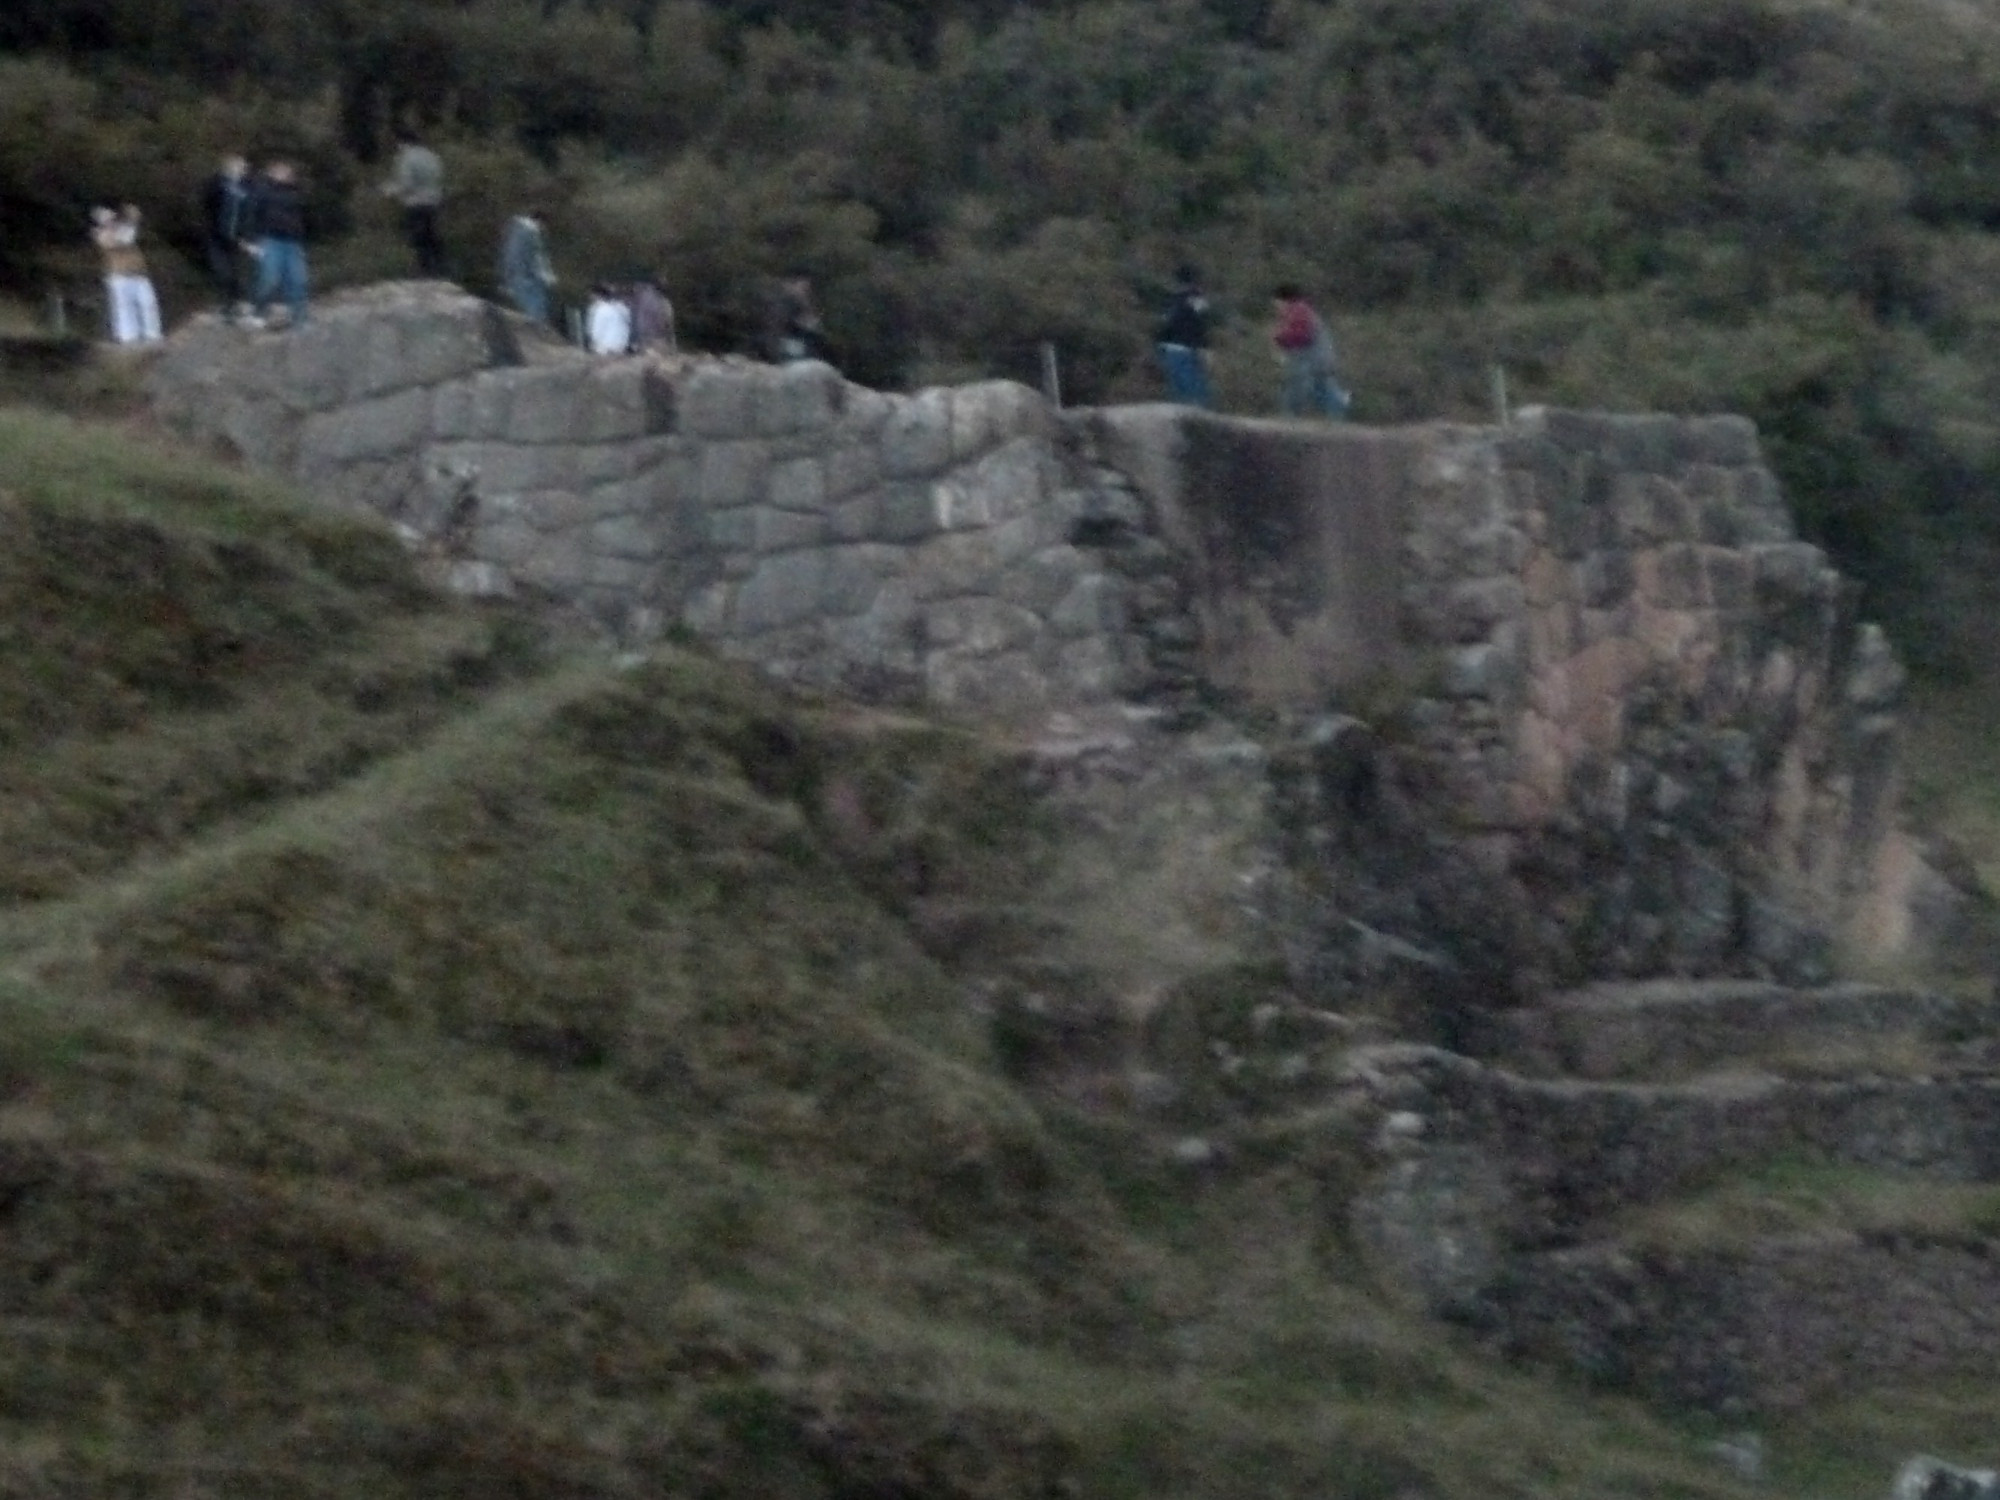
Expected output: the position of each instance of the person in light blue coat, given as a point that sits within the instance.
(525, 273)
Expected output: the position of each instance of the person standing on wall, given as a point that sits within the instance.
(129, 295)
(277, 229)
(417, 182)
(607, 322)
(1182, 337)
(794, 331)
(225, 202)
(1305, 349)
(652, 318)
(525, 272)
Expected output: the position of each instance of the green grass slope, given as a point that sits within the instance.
(437, 1063)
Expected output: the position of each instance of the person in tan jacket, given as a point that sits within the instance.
(133, 305)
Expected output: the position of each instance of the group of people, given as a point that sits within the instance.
(1310, 380)
(254, 233)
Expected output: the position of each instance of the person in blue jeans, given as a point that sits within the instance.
(276, 217)
(1182, 337)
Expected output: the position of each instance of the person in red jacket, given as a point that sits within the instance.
(1305, 348)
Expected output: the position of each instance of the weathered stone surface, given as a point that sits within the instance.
(917, 439)
(1579, 598)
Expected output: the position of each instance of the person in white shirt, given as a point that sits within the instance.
(608, 323)
(134, 306)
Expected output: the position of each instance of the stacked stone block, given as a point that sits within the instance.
(943, 546)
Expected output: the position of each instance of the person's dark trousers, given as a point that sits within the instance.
(225, 274)
(420, 228)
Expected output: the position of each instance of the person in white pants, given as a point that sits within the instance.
(134, 306)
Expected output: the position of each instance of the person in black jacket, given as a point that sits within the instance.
(1182, 337)
(277, 229)
(225, 201)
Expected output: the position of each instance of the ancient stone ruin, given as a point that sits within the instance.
(1598, 636)
(1551, 774)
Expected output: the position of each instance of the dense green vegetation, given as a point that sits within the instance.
(1782, 208)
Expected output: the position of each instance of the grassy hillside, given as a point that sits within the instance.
(436, 1061)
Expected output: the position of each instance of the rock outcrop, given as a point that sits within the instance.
(1602, 649)
(1574, 776)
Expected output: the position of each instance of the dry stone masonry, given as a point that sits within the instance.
(1488, 807)
(1599, 643)
(897, 545)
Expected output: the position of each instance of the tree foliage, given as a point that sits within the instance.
(1788, 209)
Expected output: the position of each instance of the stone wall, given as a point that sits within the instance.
(918, 546)
(1593, 644)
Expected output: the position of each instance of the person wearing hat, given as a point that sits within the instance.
(1182, 338)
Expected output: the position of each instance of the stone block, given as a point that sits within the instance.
(1016, 540)
(783, 589)
(993, 412)
(559, 564)
(1544, 579)
(1679, 581)
(494, 469)
(863, 414)
(852, 468)
(476, 580)
(452, 411)
(616, 579)
(797, 484)
(1761, 515)
(979, 626)
(1094, 605)
(1551, 635)
(374, 429)
(718, 402)
(733, 530)
(1875, 679)
(1472, 608)
(800, 398)
(733, 473)
(1788, 567)
(856, 520)
(1490, 547)
(625, 536)
(960, 562)
(1645, 509)
(1732, 578)
(315, 366)
(707, 610)
(1012, 479)
(613, 404)
(774, 530)
(1091, 668)
(916, 439)
(907, 512)
(1039, 582)
(1605, 579)
(855, 576)
(548, 405)
(492, 403)
(1725, 441)
(1486, 670)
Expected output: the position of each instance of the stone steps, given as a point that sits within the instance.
(1675, 1028)
(1728, 1196)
